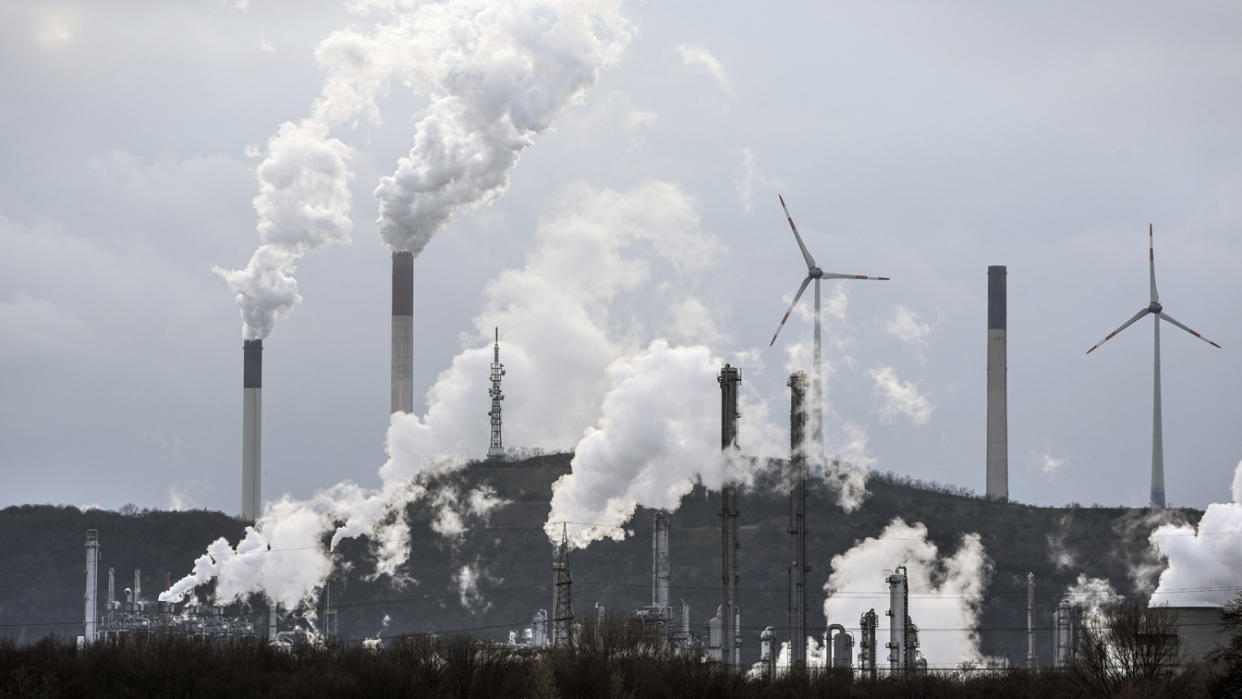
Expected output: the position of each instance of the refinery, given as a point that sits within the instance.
(844, 645)
(578, 471)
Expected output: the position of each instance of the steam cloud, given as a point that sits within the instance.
(498, 75)
(945, 593)
(1204, 562)
(656, 437)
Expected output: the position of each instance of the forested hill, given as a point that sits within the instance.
(41, 557)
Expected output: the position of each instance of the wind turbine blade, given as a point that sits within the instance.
(834, 275)
(1151, 261)
(810, 261)
(1124, 325)
(790, 310)
(1162, 315)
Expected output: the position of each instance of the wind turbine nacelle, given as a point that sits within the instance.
(1155, 307)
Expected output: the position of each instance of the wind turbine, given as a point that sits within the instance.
(813, 272)
(1158, 314)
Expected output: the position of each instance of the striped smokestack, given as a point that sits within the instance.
(252, 414)
(402, 332)
(998, 421)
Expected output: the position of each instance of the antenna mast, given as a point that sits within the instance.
(496, 451)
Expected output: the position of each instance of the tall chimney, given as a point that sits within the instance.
(797, 609)
(92, 585)
(252, 415)
(659, 562)
(402, 332)
(998, 421)
(731, 639)
(137, 587)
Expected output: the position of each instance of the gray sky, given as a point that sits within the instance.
(920, 142)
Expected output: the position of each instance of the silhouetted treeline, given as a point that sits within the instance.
(462, 667)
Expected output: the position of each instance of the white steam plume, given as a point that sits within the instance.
(658, 435)
(1093, 596)
(945, 593)
(565, 316)
(1204, 562)
(497, 74)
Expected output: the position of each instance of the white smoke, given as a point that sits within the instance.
(564, 317)
(1204, 562)
(945, 593)
(497, 75)
(1093, 595)
(284, 556)
(658, 435)
(900, 396)
(467, 581)
(303, 205)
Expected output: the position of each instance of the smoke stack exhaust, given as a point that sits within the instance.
(402, 332)
(998, 420)
(252, 415)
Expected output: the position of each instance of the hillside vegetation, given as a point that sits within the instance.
(41, 558)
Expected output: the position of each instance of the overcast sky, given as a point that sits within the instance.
(921, 141)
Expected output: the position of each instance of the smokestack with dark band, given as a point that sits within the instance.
(998, 421)
(252, 412)
(402, 332)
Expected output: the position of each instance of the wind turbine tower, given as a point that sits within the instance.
(813, 272)
(1157, 312)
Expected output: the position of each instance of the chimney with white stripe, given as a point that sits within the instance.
(998, 420)
(252, 413)
(402, 333)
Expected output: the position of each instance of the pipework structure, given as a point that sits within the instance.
(252, 433)
(899, 611)
(402, 332)
(496, 450)
(562, 594)
(730, 613)
(91, 597)
(800, 567)
(1066, 625)
(1030, 620)
(868, 624)
(997, 413)
(839, 647)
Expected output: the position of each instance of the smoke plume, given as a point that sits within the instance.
(1204, 562)
(497, 75)
(945, 592)
(657, 436)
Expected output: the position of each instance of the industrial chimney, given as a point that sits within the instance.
(730, 614)
(402, 332)
(252, 416)
(799, 568)
(92, 585)
(998, 421)
(660, 563)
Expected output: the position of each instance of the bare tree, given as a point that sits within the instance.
(1128, 649)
